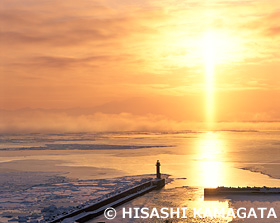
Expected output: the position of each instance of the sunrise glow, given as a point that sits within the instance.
(114, 98)
(138, 65)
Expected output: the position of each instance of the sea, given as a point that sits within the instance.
(192, 160)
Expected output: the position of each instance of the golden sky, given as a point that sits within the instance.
(143, 57)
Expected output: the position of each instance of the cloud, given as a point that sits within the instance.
(68, 53)
(62, 34)
(61, 25)
(67, 62)
(273, 31)
(271, 22)
(266, 25)
(15, 38)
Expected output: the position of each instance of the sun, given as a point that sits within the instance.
(219, 47)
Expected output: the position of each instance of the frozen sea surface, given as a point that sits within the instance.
(46, 174)
(39, 196)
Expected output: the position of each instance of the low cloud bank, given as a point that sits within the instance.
(37, 121)
(54, 122)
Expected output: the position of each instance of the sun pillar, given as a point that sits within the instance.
(209, 57)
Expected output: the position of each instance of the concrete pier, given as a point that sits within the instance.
(96, 209)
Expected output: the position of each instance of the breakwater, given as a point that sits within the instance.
(96, 209)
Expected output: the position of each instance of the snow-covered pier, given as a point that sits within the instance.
(98, 208)
(93, 210)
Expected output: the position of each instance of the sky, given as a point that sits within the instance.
(161, 61)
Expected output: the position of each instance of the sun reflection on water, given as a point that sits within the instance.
(209, 161)
(213, 207)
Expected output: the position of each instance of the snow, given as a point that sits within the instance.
(40, 196)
